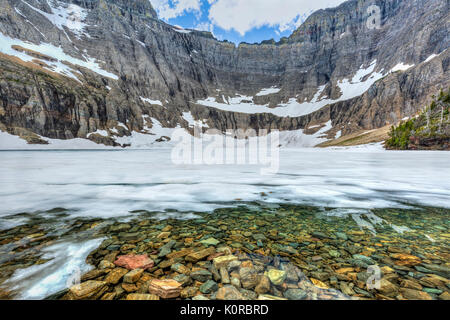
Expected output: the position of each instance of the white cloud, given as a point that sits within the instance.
(244, 15)
(168, 9)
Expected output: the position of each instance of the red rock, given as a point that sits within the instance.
(132, 262)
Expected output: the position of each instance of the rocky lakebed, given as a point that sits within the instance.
(253, 251)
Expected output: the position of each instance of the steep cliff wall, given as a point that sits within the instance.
(124, 63)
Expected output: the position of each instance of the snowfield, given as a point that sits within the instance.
(66, 15)
(56, 53)
(350, 88)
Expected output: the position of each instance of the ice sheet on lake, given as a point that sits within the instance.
(113, 183)
(67, 262)
(369, 147)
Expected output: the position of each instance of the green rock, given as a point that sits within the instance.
(432, 291)
(120, 227)
(201, 275)
(319, 235)
(210, 242)
(180, 268)
(286, 249)
(422, 269)
(295, 294)
(364, 259)
(259, 236)
(166, 249)
(209, 287)
(183, 279)
(235, 282)
(277, 277)
(358, 263)
(249, 246)
(113, 247)
(341, 236)
(334, 253)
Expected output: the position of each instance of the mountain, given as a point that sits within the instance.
(110, 71)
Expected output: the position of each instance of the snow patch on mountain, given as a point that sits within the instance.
(350, 88)
(56, 53)
(268, 91)
(402, 67)
(103, 133)
(298, 139)
(66, 15)
(150, 136)
(194, 123)
(150, 101)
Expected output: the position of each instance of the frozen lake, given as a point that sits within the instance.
(113, 183)
(119, 184)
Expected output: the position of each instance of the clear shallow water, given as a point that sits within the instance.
(113, 183)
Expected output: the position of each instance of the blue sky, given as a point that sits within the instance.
(240, 20)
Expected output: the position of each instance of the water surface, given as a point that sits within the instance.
(55, 204)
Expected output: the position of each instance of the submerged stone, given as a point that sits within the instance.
(277, 277)
(209, 287)
(229, 292)
(210, 242)
(87, 290)
(165, 289)
(295, 294)
(201, 275)
(132, 262)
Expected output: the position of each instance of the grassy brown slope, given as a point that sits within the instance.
(359, 138)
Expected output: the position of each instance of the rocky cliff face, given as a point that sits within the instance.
(103, 69)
